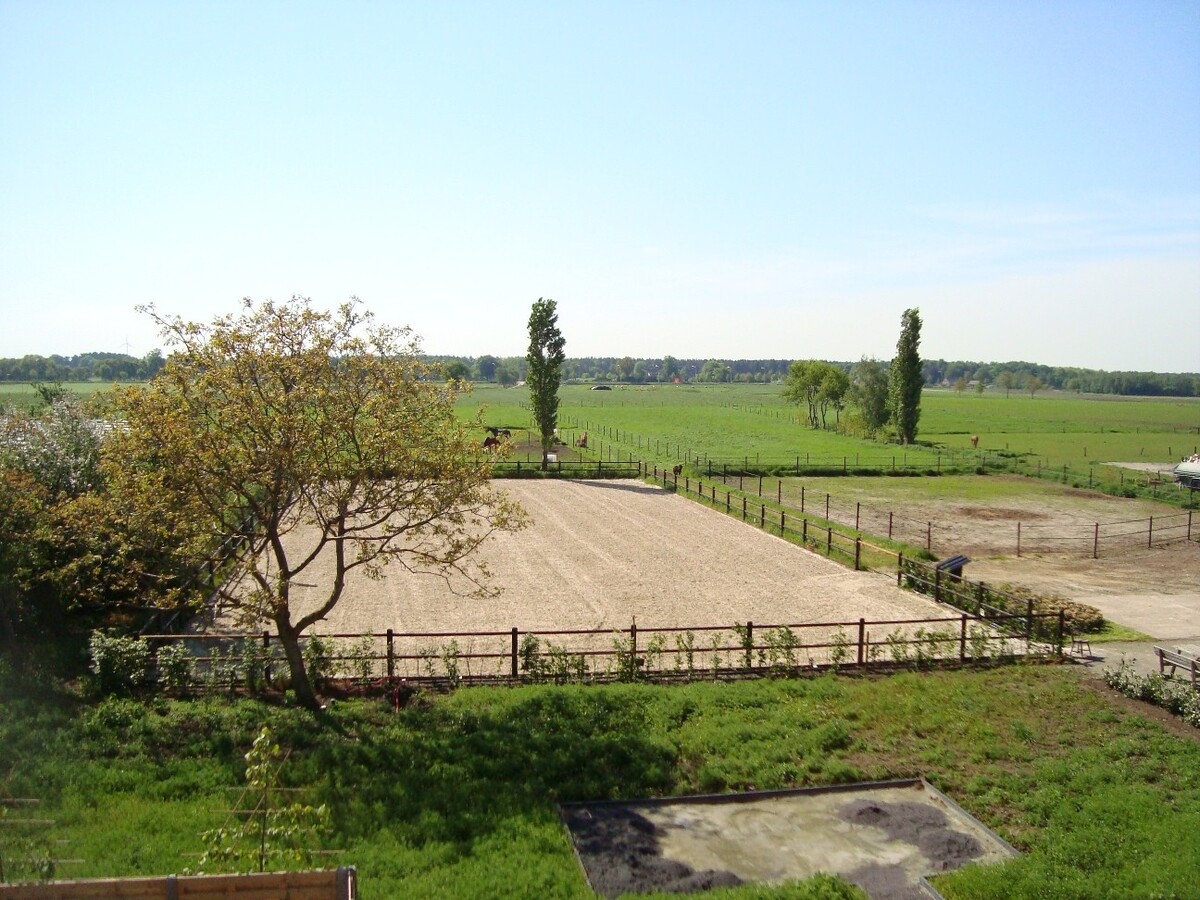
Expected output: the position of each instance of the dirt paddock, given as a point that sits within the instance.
(601, 554)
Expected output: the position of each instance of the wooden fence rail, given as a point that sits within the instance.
(253, 660)
(336, 884)
(1090, 539)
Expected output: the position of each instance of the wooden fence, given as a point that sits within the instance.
(253, 661)
(338, 884)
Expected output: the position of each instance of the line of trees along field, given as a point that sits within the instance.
(960, 374)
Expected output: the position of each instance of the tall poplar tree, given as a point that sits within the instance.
(904, 392)
(545, 357)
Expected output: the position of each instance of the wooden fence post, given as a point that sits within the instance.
(514, 652)
(889, 525)
(937, 585)
(1018, 540)
(962, 640)
(857, 553)
(782, 522)
(391, 654)
(928, 535)
(899, 567)
(1096, 542)
(828, 540)
(266, 657)
(1028, 618)
(801, 498)
(862, 632)
(857, 514)
(743, 509)
(1150, 533)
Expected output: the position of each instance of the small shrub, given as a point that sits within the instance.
(318, 659)
(254, 664)
(564, 667)
(174, 665)
(1180, 699)
(450, 660)
(715, 655)
(628, 663)
(897, 643)
(840, 651)
(781, 650)
(121, 664)
(361, 664)
(529, 656)
(685, 655)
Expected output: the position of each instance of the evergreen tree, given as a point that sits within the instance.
(545, 358)
(904, 392)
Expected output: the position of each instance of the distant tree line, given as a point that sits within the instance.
(1023, 375)
(959, 374)
(82, 367)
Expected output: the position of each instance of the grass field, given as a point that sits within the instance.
(751, 425)
(455, 795)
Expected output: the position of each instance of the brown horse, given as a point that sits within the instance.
(975, 441)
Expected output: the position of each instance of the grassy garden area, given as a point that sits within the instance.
(455, 795)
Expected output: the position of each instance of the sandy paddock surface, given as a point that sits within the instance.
(1153, 589)
(601, 553)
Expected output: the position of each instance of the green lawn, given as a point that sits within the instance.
(455, 795)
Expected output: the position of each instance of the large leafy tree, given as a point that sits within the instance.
(869, 391)
(545, 356)
(285, 434)
(819, 385)
(904, 393)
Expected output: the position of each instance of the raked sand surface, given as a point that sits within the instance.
(600, 553)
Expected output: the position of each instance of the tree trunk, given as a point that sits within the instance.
(290, 639)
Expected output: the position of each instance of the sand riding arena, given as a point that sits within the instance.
(604, 555)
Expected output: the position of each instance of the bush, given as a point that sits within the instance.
(174, 666)
(121, 664)
(1179, 699)
(318, 659)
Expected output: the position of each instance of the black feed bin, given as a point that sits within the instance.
(953, 565)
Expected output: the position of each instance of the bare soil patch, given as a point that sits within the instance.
(883, 837)
(999, 513)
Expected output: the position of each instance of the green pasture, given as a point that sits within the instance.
(455, 795)
(18, 395)
(752, 424)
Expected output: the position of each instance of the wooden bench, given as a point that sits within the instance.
(1178, 659)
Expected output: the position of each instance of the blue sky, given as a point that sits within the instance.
(737, 179)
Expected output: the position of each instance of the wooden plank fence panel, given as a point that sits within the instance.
(338, 884)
